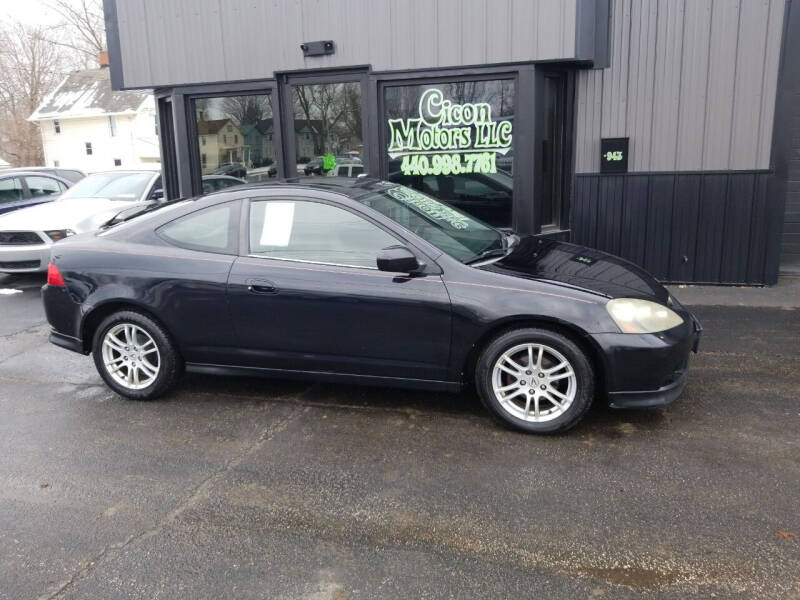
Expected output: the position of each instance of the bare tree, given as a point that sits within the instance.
(30, 67)
(82, 30)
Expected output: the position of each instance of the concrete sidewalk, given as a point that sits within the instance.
(786, 294)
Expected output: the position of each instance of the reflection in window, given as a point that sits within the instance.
(235, 133)
(466, 155)
(327, 124)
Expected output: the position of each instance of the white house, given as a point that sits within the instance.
(86, 125)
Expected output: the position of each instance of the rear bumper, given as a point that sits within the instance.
(24, 259)
(649, 370)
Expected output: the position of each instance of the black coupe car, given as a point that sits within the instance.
(370, 282)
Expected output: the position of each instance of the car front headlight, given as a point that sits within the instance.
(59, 234)
(642, 316)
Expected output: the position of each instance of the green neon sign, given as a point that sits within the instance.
(448, 138)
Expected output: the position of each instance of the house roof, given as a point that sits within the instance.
(212, 126)
(88, 94)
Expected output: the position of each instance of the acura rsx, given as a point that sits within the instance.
(366, 281)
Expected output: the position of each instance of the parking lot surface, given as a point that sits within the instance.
(253, 488)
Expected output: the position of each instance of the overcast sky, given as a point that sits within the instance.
(27, 11)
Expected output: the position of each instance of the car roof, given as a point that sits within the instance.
(352, 187)
(41, 173)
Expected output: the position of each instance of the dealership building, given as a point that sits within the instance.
(664, 131)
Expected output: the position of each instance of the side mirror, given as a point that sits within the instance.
(157, 194)
(397, 259)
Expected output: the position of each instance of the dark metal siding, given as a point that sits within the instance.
(682, 227)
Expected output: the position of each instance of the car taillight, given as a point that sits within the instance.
(54, 277)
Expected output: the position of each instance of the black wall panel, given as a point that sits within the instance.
(682, 227)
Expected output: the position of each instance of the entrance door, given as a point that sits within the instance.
(324, 125)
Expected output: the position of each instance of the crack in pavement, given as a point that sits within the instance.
(111, 551)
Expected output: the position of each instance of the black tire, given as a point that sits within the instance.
(581, 367)
(171, 364)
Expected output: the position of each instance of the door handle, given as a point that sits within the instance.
(261, 286)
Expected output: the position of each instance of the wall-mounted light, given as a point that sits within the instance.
(320, 48)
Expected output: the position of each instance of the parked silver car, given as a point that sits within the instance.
(27, 235)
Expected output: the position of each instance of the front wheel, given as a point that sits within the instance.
(135, 356)
(535, 380)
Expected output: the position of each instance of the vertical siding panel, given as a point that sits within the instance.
(379, 49)
(615, 85)
(756, 254)
(635, 199)
(498, 31)
(402, 25)
(770, 82)
(684, 226)
(694, 72)
(589, 97)
(721, 77)
(136, 55)
(640, 85)
(659, 225)
(711, 221)
(473, 33)
(548, 23)
(523, 29)
(566, 28)
(747, 91)
(669, 47)
(449, 40)
(424, 32)
(736, 232)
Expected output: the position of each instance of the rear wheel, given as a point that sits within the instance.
(135, 356)
(535, 380)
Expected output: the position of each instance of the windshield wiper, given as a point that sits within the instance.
(136, 211)
(509, 241)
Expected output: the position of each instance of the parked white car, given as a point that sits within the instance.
(27, 235)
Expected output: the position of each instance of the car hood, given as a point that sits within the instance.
(77, 214)
(579, 267)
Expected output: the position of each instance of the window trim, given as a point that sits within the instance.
(245, 251)
(194, 93)
(232, 249)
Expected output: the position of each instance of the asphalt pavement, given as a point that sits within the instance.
(249, 488)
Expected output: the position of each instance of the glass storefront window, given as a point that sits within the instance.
(327, 128)
(235, 138)
(454, 141)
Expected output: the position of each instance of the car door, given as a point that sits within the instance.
(307, 296)
(12, 194)
(41, 188)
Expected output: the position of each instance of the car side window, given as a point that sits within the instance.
(10, 190)
(43, 186)
(314, 232)
(208, 230)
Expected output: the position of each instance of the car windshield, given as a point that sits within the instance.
(116, 186)
(454, 232)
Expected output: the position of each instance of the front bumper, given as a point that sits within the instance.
(648, 370)
(24, 258)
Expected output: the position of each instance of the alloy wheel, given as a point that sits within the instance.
(131, 356)
(534, 382)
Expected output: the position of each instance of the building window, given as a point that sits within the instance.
(88, 148)
(251, 115)
(56, 163)
(56, 125)
(112, 125)
(462, 151)
(329, 117)
(117, 162)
